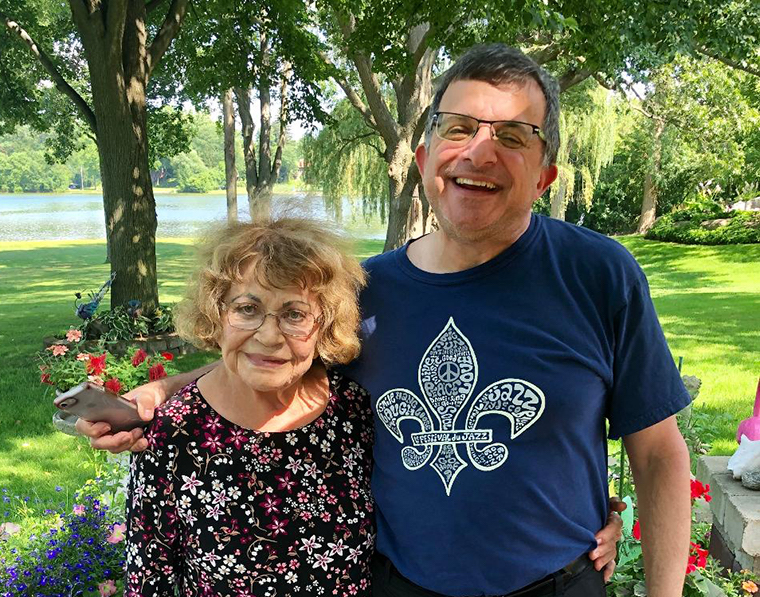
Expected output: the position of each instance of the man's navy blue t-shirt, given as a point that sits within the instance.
(491, 388)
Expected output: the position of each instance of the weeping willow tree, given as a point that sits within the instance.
(587, 131)
(345, 160)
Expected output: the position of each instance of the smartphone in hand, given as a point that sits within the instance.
(93, 403)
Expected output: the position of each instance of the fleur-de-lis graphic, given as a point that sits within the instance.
(447, 376)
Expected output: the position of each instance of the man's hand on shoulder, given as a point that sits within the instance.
(147, 397)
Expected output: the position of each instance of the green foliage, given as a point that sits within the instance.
(29, 172)
(118, 324)
(192, 175)
(345, 159)
(690, 229)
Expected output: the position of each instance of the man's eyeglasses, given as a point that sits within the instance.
(460, 128)
(296, 323)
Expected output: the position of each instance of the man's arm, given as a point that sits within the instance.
(660, 464)
(147, 397)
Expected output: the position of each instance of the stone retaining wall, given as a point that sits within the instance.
(735, 536)
(151, 344)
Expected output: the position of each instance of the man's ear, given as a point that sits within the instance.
(420, 156)
(548, 176)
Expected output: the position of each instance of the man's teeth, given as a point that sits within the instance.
(475, 183)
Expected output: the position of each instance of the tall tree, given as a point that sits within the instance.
(397, 49)
(121, 47)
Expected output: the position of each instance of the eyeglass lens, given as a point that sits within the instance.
(250, 316)
(456, 127)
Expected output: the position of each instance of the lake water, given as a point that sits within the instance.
(71, 216)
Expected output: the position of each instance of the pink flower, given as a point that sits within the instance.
(74, 335)
(107, 588)
(96, 379)
(139, 357)
(117, 533)
(78, 510)
(83, 356)
(58, 349)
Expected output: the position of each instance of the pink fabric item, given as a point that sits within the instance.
(751, 427)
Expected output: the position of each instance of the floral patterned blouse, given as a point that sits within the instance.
(217, 509)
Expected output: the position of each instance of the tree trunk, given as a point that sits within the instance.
(230, 172)
(403, 177)
(558, 205)
(649, 200)
(118, 99)
(248, 131)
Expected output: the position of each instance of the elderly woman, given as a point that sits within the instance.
(256, 476)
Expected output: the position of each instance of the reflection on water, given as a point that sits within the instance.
(71, 216)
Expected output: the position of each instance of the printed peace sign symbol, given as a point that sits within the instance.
(448, 372)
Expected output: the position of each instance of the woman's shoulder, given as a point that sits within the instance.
(349, 393)
(177, 417)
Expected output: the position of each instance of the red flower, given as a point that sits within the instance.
(139, 357)
(637, 531)
(168, 356)
(700, 491)
(96, 365)
(45, 378)
(113, 384)
(156, 372)
(697, 558)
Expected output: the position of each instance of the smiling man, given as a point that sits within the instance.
(496, 349)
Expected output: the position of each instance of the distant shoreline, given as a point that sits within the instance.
(279, 189)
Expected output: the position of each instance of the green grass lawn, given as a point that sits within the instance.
(708, 299)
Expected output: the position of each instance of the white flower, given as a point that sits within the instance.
(337, 548)
(190, 483)
(348, 427)
(310, 544)
(294, 465)
(322, 560)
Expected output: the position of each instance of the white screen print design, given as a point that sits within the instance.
(447, 376)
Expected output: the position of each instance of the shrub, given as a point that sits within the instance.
(686, 227)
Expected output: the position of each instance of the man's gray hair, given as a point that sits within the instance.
(499, 64)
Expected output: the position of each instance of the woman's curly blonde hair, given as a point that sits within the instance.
(278, 253)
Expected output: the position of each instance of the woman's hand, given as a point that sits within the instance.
(147, 397)
(603, 556)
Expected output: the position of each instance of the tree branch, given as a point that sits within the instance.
(84, 13)
(60, 83)
(166, 34)
(728, 62)
(350, 92)
(153, 5)
(386, 125)
(573, 77)
(349, 141)
(286, 72)
(115, 22)
(546, 54)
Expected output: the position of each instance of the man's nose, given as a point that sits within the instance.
(481, 150)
